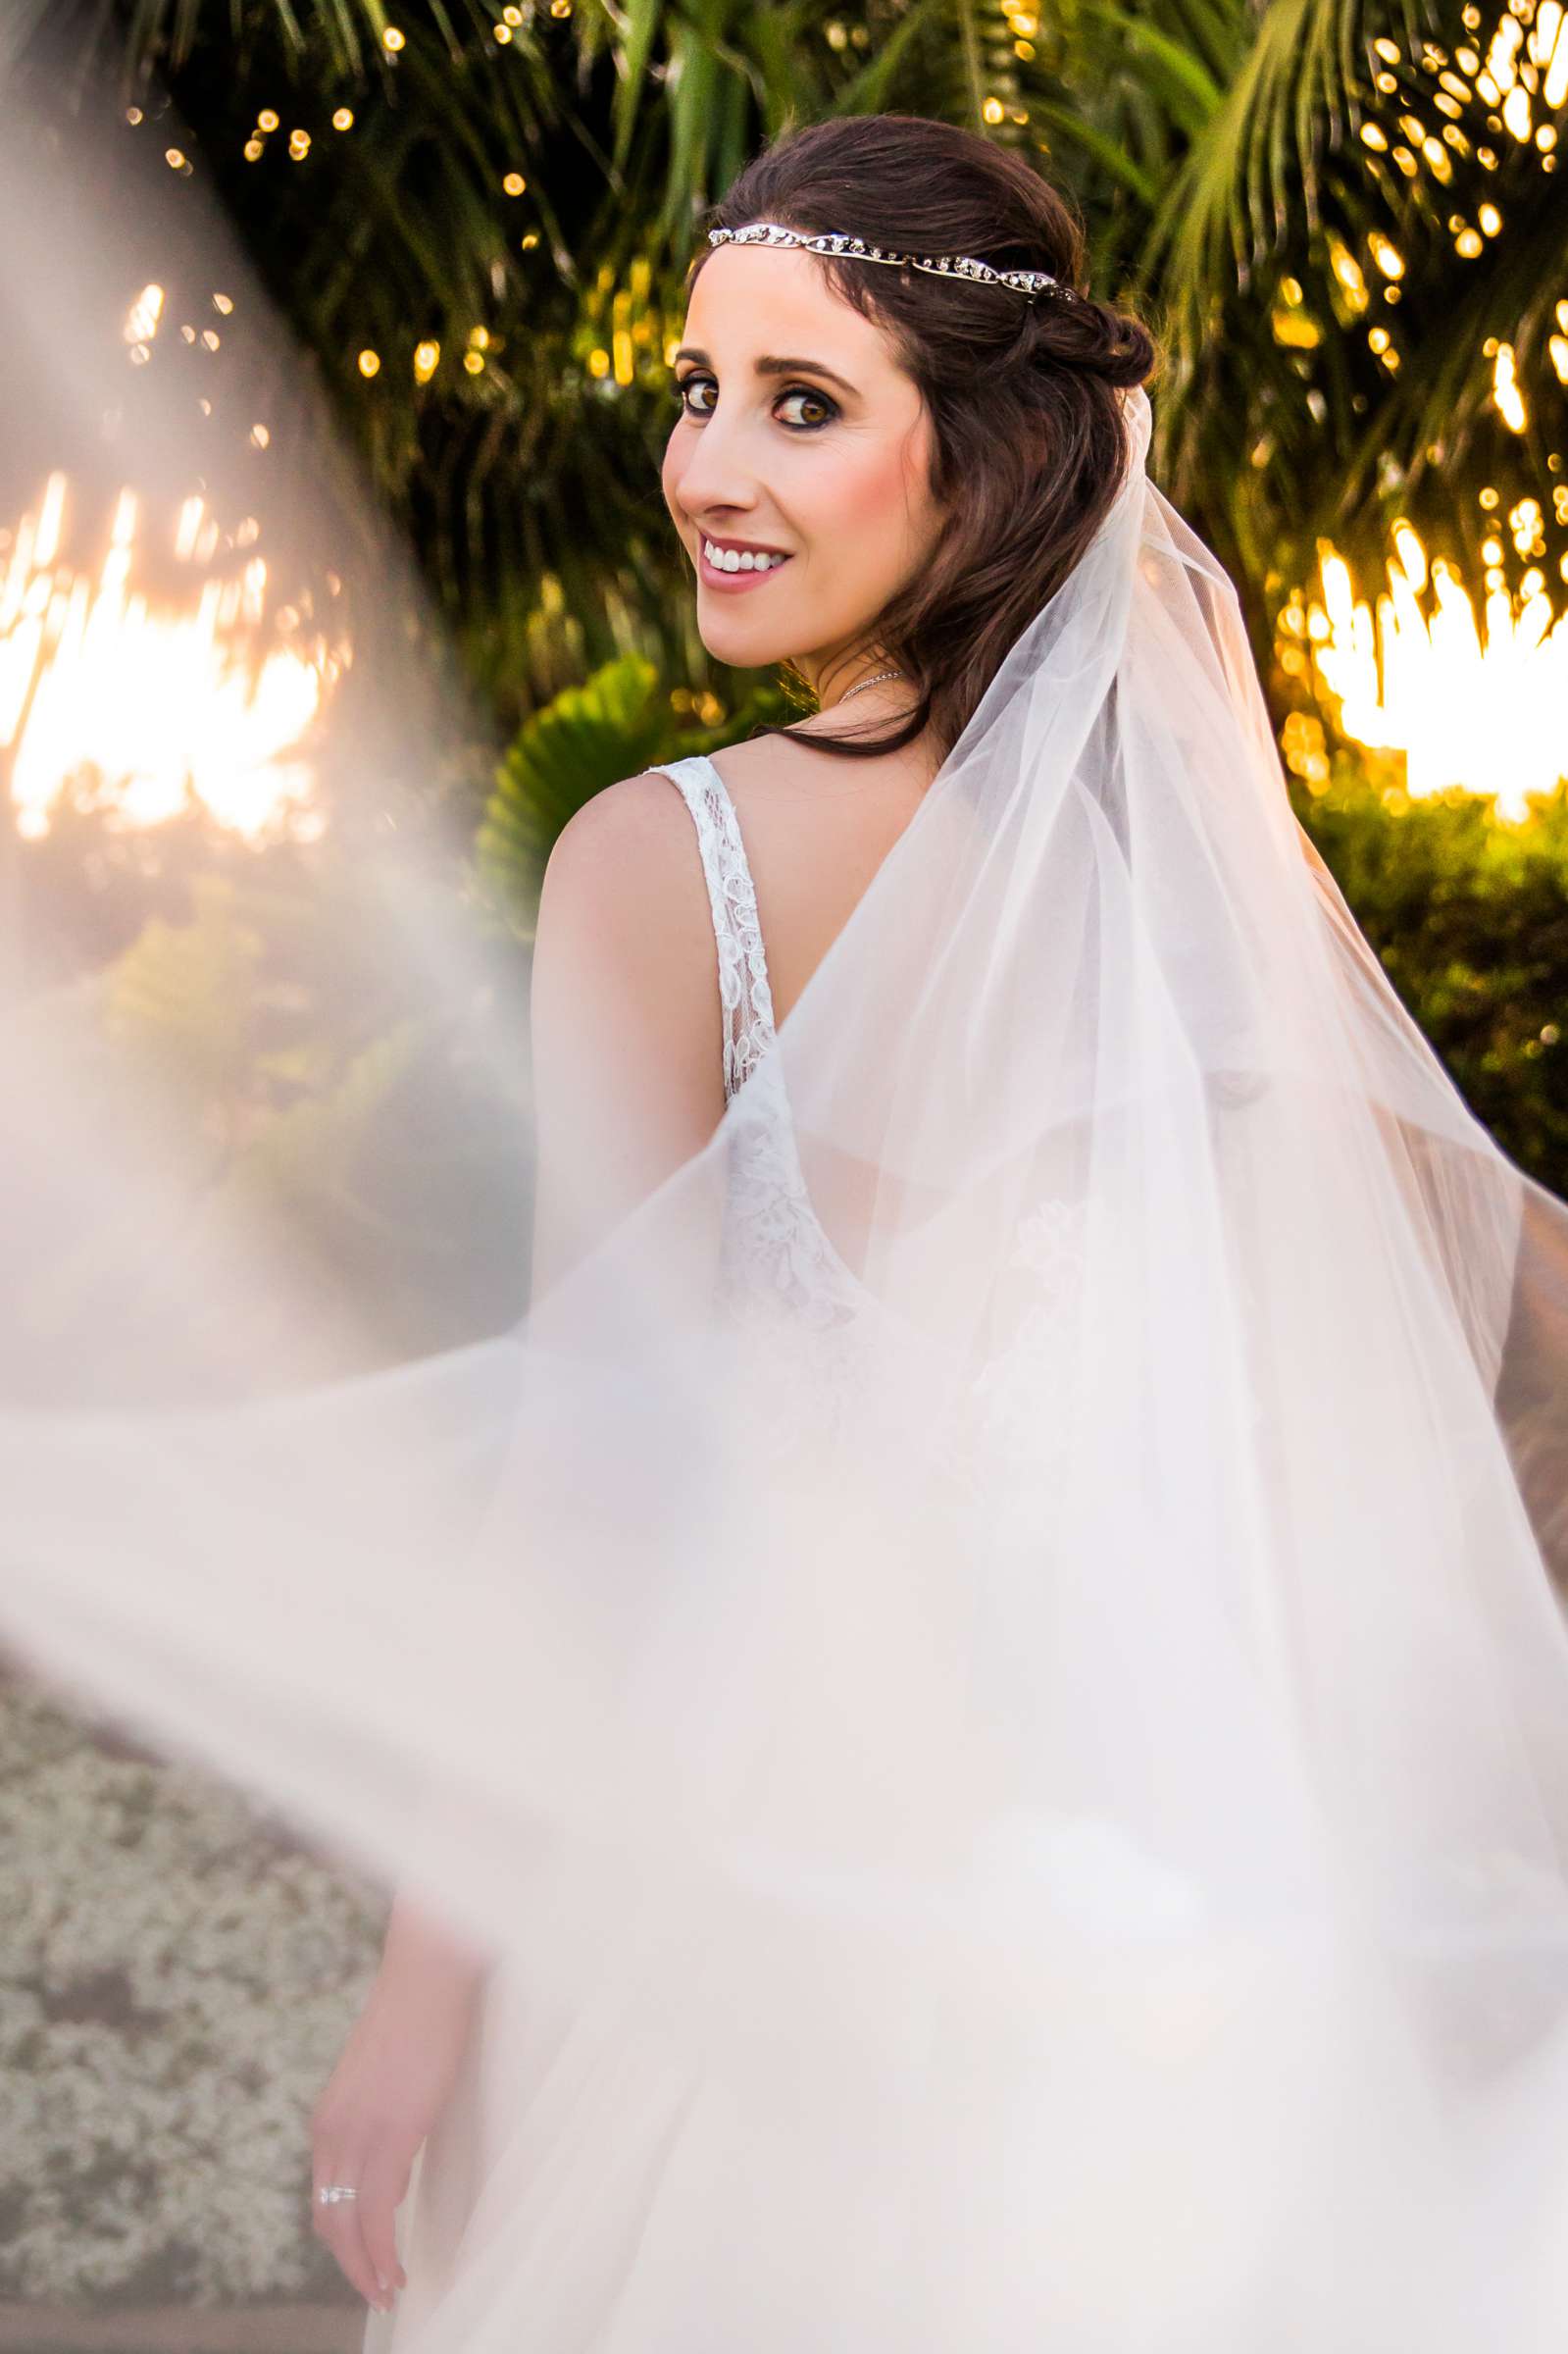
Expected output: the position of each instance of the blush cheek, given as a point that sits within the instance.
(866, 521)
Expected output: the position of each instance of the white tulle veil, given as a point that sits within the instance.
(1056, 1718)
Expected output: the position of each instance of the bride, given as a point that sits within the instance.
(995, 1774)
(813, 511)
(1198, 1744)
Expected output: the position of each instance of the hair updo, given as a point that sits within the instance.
(1028, 438)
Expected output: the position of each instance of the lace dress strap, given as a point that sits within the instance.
(744, 997)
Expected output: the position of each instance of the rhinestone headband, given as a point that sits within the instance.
(1028, 283)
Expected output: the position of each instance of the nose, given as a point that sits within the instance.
(713, 479)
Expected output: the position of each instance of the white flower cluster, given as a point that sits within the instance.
(176, 1979)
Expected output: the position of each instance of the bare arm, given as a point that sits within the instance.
(626, 1023)
(625, 1032)
(625, 1035)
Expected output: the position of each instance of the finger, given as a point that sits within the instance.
(337, 2225)
(342, 2233)
(382, 2190)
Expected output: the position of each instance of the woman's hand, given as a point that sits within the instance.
(390, 2084)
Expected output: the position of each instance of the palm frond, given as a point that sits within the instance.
(1213, 147)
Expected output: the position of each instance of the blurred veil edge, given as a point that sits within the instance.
(198, 1364)
(1076, 1464)
(209, 626)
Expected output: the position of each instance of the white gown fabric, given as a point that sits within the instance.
(989, 1663)
(557, 2103)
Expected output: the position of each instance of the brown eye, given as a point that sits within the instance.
(828, 408)
(808, 392)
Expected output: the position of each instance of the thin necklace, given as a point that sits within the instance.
(871, 681)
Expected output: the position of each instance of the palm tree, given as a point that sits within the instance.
(1363, 212)
(1340, 214)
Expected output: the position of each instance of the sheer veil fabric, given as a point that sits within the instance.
(990, 1665)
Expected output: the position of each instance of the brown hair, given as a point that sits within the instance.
(1029, 444)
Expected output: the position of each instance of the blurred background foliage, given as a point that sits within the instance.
(1470, 919)
(498, 203)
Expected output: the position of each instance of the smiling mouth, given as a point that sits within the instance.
(734, 566)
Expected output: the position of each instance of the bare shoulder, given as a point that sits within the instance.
(625, 880)
(792, 771)
(622, 944)
(808, 814)
(773, 764)
(621, 841)
(624, 1013)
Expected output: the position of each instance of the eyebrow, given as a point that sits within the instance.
(770, 366)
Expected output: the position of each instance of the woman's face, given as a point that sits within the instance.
(798, 433)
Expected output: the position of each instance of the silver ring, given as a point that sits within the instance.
(331, 2192)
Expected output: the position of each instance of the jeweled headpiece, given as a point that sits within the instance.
(1028, 283)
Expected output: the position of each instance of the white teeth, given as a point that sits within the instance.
(734, 559)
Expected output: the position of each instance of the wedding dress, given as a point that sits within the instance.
(560, 2103)
(989, 1662)
(552, 2096)
(776, 1248)
(596, 2184)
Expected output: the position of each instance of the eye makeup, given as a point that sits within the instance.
(810, 392)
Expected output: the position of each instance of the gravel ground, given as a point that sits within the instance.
(177, 2330)
(177, 1977)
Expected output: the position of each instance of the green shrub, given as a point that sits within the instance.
(1469, 915)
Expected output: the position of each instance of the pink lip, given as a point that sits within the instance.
(733, 580)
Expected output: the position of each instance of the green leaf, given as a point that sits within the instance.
(612, 726)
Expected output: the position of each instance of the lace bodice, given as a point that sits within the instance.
(776, 1260)
(744, 995)
(775, 1248)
